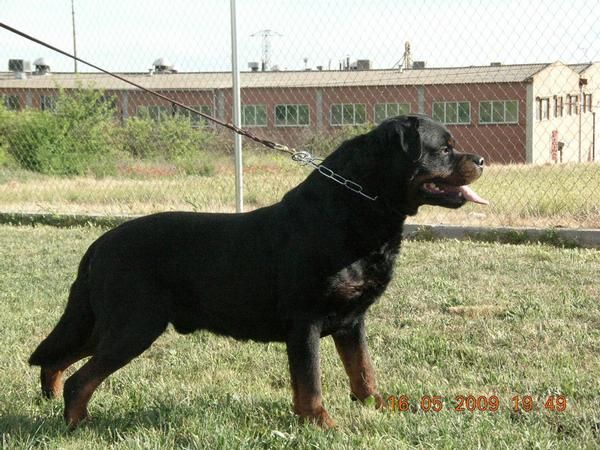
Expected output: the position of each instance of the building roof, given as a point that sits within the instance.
(580, 67)
(284, 79)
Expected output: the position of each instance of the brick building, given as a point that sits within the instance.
(532, 113)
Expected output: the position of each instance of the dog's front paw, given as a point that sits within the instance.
(318, 417)
(373, 400)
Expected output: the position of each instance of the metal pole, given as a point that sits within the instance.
(580, 106)
(237, 115)
(74, 36)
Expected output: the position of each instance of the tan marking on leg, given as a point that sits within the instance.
(51, 380)
(76, 411)
(308, 405)
(79, 389)
(360, 371)
(52, 376)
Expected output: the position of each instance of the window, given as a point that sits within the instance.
(12, 102)
(196, 119)
(291, 115)
(452, 113)
(348, 114)
(558, 106)
(48, 102)
(109, 100)
(155, 112)
(254, 116)
(498, 111)
(572, 104)
(543, 108)
(587, 102)
(385, 110)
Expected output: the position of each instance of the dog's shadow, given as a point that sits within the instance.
(162, 415)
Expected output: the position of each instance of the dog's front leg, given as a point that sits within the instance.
(351, 344)
(305, 370)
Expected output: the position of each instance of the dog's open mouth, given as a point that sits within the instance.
(446, 193)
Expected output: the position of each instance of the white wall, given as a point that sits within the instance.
(574, 130)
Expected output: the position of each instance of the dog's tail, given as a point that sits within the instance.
(75, 326)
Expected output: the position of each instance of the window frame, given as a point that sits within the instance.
(159, 108)
(572, 104)
(343, 123)
(255, 125)
(542, 108)
(287, 106)
(494, 122)
(558, 106)
(48, 102)
(452, 102)
(11, 102)
(386, 114)
(587, 102)
(196, 120)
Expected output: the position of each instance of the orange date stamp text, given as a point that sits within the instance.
(473, 403)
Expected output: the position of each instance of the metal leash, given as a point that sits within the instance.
(304, 158)
(301, 156)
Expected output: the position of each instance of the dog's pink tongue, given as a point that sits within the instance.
(472, 196)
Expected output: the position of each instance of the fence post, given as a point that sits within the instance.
(237, 117)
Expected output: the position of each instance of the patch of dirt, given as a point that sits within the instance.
(159, 170)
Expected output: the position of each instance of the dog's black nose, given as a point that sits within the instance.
(479, 161)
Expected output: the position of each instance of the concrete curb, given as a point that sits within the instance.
(560, 237)
(62, 220)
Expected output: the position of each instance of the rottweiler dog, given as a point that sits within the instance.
(307, 267)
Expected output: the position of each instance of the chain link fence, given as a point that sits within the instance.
(516, 82)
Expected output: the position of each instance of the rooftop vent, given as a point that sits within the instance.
(161, 65)
(361, 64)
(41, 67)
(19, 67)
(418, 65)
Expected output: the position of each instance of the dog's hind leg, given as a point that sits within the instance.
(127, 336)
(70, 341)
(51, 375)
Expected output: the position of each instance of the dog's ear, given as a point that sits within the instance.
(407, 129)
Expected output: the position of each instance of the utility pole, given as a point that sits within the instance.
(266, 46)
(406, 57)
(74, 36)
(406, 61)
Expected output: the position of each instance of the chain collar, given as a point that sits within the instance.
(304, 158)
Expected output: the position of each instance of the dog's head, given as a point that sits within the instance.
(433, 171)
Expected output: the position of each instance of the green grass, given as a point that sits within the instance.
(541, 196)
(459, 318)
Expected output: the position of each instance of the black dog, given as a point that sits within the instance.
(306, 267)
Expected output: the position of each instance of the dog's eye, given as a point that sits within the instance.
(445, 150)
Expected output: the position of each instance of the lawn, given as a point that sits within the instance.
(459, 319)
(563, 195)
